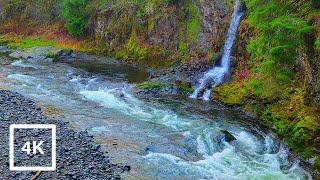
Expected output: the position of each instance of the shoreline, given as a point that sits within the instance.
(251, 120)
(180, 79)
(88, 161)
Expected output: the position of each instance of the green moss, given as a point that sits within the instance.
(281, 127)
(189, 26)
(317, 163)
(317, 43)
(184, 87)
(193, 21)
(166, 2)
(67, 51)
(280, 33)
(307, 152)
(256, 87)
(150, 85)
(159, 58)
(150, 24)
(133, 48)
(295, 122)
(30, 42)
(229, 3)
(308, 123)
(3, 41)
(287, 114)
(275, 91)
(183, 48)
(50, 55)
(231, 93)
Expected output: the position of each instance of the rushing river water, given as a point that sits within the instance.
(159, 139)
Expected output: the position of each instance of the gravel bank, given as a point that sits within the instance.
(77, 156)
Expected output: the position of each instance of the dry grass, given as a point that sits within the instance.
(13, 32)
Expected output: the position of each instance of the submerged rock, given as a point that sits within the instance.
(228, 137)
(119, 93)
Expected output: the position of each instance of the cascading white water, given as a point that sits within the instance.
(217, 74)
(158, 142)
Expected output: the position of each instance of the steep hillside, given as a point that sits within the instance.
(276, 71)
(150, 32)
(276, 64)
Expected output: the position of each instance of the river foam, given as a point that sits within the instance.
(158, 142)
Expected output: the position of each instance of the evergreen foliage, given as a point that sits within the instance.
(275, 88)
(279, 35)
(76, 14)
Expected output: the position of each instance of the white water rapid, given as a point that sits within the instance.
(218, 73)
(159, 139)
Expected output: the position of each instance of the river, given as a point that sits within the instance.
(164, 138)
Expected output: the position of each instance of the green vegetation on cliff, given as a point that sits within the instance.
(76, 14)
(30, 42)
(278, 71)
(152, 32)
(150, 85)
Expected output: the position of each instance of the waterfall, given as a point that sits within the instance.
(218, 73)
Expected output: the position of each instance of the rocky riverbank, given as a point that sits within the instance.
(168, 82)
(77, 155)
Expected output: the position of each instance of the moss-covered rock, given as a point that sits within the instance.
(184, 87)
(178, 31)
(232, 93)
(149, 85)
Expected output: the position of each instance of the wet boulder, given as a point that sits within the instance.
(119, 93)
(228, 137)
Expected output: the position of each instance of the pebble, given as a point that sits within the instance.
(77, 155)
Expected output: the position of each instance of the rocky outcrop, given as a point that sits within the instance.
(2, 3)
(37, 54)
(190, 29)
(314, 68)
(312, 72)
(214, 16)
(316, 81)
(157, 31)
(294, 116)
(240, 55)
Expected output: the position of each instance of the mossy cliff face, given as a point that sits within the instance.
(28, 12)
(153, 32)
(276, 63)
(312, 67)
(282, 90)
(163, 33)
